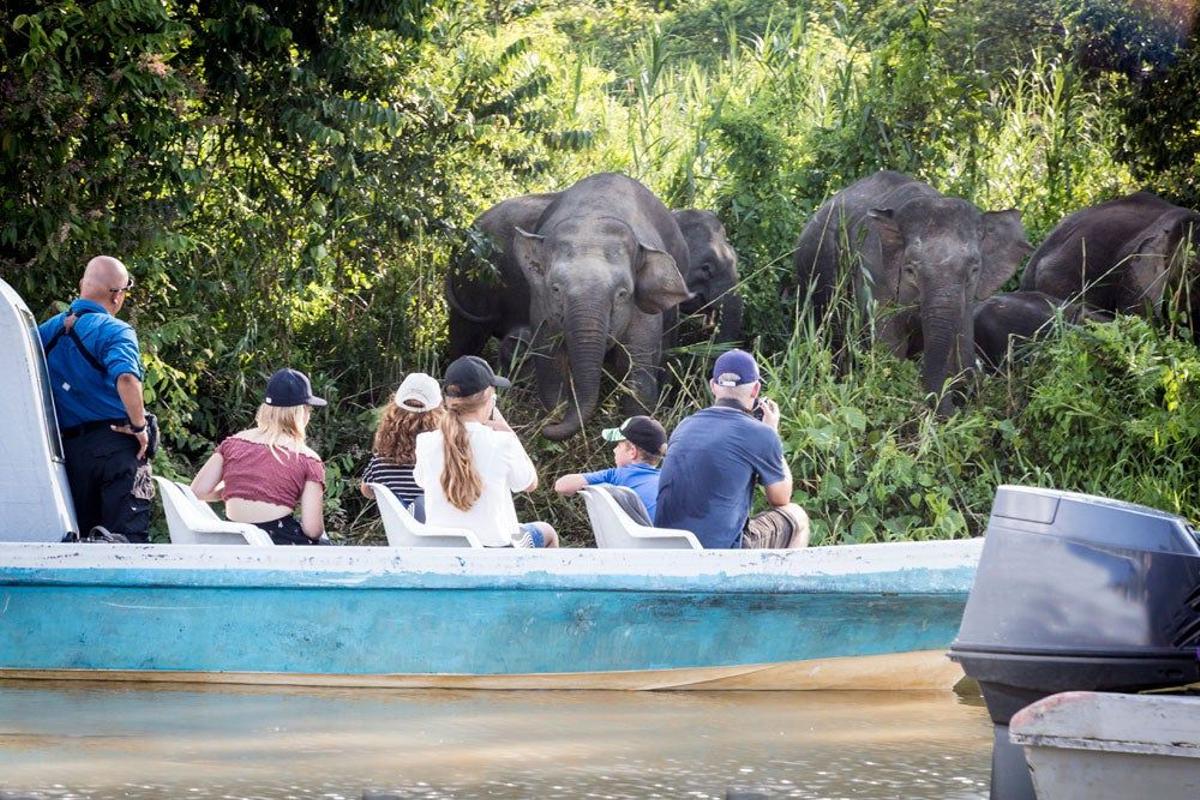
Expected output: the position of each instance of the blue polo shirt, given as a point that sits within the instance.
(81, 392)
(642, 478)
(715, 457)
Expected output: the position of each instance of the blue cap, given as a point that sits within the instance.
(734, 368)
(289, 387)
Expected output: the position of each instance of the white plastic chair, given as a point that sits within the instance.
(192, 521)
(403, 530)
(614, 529)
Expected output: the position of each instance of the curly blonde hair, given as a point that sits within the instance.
(396, 436)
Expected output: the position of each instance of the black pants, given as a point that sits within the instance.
(110, 485)
(286, 530)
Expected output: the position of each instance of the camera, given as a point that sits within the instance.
(757, 409)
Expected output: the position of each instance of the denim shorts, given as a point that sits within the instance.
(531, 536)
(287, 530)
(534, 533)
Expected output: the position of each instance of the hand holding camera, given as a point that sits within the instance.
(767, 410)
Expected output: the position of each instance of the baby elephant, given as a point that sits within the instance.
(1021, 317)
(712, 273)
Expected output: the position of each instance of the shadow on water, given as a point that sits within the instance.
(131, 741)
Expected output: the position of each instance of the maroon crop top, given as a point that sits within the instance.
(253, 471)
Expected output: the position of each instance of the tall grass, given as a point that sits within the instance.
(760, 112)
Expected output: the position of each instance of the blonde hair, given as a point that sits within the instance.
(282, 426)
(461, 482)
(396, 436)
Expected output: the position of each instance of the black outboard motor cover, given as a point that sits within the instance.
(1075, 592)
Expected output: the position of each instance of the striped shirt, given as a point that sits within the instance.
(397, 477)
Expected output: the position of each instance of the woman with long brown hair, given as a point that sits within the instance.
(415, 409)
(471, 466)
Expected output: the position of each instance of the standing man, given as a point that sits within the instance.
(96, 375)
(715, 458)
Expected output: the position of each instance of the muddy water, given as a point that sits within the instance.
(114, 741)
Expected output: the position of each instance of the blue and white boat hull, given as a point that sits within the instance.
(863, 616)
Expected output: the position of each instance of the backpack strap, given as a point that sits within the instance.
(68, 329)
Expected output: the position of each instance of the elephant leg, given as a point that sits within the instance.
(550, 368)
(467, 338)
(897, 331)
(638, 363)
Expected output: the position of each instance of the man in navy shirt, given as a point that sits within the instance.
(640, 444)
(96, 375)
(715, 458)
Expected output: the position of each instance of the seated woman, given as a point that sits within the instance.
(415, 409)
(263, 473)
(471, 466)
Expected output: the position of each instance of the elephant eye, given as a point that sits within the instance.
(556, 287)
(622, 293)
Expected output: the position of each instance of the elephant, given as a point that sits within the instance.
(483, 304)
(713, 274)
(497, 305)
(1020, 317)
(1125, 256)
(920, 261)
(590, 272)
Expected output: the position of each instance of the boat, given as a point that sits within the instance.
(874, 616)
(1076, 593)
(1110, 746)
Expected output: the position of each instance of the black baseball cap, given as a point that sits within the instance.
(470, 375)
(644, 432)
(290, 387)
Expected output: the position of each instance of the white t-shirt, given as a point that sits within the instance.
(505, 469)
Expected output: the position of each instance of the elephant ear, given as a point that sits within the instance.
(529, 251)
(1002, 247)
(891, 245)
(1150, 262)
(658, 284)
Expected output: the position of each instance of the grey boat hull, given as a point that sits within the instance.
(1111, 746)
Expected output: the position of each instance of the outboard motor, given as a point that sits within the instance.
(1076, 592)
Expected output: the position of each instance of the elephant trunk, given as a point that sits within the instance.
(947, 331)
(587, 341)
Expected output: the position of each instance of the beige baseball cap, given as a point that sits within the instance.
(418, 393)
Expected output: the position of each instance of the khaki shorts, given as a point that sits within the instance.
(777, 528)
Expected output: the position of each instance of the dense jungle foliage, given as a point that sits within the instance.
(289, 180)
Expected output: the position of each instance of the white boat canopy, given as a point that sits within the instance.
(34, 498)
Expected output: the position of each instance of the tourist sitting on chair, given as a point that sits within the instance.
(716, 457)
(641, 442)
(470, 467)
(415, 409)
(263, 473)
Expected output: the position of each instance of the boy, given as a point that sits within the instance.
(640, 444)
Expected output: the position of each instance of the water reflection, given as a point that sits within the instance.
(117, 741)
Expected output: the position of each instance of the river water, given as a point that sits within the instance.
(72, 740)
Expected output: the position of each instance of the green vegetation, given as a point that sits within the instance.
(289, 181)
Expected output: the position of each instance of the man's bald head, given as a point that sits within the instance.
(101, 277)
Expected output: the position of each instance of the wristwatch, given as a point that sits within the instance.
(137, 428)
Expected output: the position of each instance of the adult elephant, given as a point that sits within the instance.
(1006, 321)
(489, 297)
(712, 276)
(919, 260)
(494, 302)
(593, 271)
(1125, 255)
